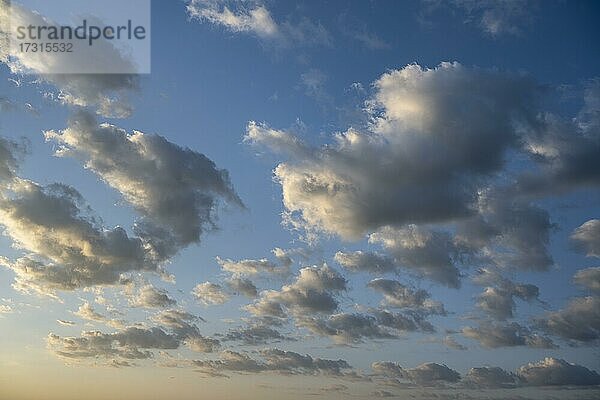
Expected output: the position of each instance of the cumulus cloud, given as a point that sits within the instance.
(566, 150)
(107, 93)
(589, 278)
(129, 343)
(256, 333)
(272, 360)
(587, 238)
(242, 286)
(348, 188)
(427, 253)
(175, 189)
(497, 299)
(395, 294)
(149, 296)
(556, 372)
(490, 377)
(312, 292)
(428, 374)
(365, 261)
(209, 293)
(492, 335)
(69, 247)
(579, 321)
(348, 328)
(9, 157)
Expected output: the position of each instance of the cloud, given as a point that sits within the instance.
(451, 343)
(347, 189)
(149, 296)
(175, 189)
(373, 263)
(395, 294)
(497, 299)
(567, 150)
(578, 321)
(69, 248)
(256, 267)
(587, 238)
(243, 286)
(10, 151)
(87, 312)
(129, 343)
(107, 93)
(254, 334)
(428, 374)
(209, 293)
(556, 372)
(490, 377)
(254, 18)
(347, 328)
(65, 322)
(426, 253)
(511, 233)
(493, 335)
(312, 292)
(272, 360)
(589, 278)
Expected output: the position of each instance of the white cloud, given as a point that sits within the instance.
(149, 296)
(209, 293)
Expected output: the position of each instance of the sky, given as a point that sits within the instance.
(335, 199)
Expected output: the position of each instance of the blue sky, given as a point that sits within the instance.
(407, 131)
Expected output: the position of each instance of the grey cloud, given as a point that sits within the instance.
(427, 253)
(587, 237)
(566, 150)
(556, 372)
(272, 360)
(255, 334)
(174, 189)
(365, 261)
(346, 328)
(353, 186)
(493, 335)
(513, 233)
(71, 247)
(497, 299)
(10, 151)
(490, 377)
(65, 322)
(578, 321)
(589, 278)
(243, 286)
(149, 296)
(396, 294)
(428, 374)
(129, 343)
(312, 292)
